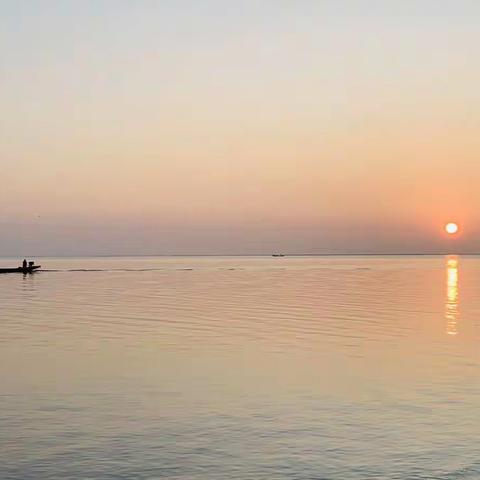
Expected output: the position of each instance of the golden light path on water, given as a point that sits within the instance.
(451, 302)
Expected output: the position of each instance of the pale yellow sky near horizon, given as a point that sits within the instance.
(326, 125)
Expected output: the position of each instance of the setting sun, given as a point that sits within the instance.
(451, 228)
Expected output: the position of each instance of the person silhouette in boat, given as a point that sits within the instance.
(24, 264)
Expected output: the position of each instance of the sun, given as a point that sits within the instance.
(451, 228)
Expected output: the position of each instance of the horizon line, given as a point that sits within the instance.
(282, 255)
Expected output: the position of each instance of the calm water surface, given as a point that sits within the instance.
(241, 368)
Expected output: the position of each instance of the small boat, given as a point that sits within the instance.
(29, 269)
(278, 255)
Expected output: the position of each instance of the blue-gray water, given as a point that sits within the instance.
(241, 368)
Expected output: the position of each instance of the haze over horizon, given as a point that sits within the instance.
(238, 127)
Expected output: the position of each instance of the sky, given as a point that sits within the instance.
(246, 127)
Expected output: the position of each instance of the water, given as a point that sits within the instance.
(241, 368)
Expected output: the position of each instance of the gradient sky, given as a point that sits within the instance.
(144, 127)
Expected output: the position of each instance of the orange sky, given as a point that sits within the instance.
(221, 128)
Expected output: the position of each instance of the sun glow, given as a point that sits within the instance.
(451, 228)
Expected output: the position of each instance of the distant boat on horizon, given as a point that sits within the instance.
(278, 255)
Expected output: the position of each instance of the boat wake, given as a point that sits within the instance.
(117, 270)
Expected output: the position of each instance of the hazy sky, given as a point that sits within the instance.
(181, 126)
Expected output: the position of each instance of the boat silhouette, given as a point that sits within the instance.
(29, 269)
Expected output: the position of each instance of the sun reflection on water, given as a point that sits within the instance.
(451, 302)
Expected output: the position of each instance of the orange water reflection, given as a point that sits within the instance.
(451, 302)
